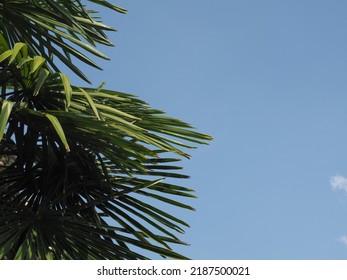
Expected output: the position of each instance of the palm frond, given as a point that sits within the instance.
(50, 27)
(84, 159)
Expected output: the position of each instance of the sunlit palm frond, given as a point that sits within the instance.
(59, 29)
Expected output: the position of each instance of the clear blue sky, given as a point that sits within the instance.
(267, 79)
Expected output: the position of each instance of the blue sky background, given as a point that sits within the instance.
(267, 79)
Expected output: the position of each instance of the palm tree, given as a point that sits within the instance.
(81, 168)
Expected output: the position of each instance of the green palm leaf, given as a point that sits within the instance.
(55, 24)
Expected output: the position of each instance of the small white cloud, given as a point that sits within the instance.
(343, 239)
(339, 183)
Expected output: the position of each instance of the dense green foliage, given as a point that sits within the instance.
(79, 166)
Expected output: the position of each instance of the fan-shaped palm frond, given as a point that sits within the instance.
(50, 27)
(85, 165)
